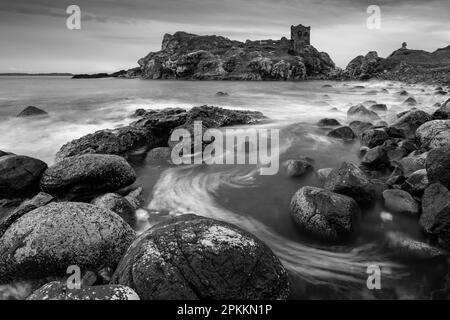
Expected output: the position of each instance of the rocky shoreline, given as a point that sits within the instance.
(82, 209)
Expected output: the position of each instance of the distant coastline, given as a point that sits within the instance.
(35, 74)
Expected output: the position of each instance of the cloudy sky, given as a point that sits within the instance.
(116, 33)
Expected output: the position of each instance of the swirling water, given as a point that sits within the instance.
(237, 194)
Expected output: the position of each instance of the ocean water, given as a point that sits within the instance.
(238, 194)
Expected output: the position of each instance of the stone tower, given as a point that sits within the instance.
(300, 37)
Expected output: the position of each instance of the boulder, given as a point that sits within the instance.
(360, 112)
(405, 247)
(118, 204)
(410, 102)
(192, 257)
(324, 214)
(438, 166)
(32, 112)
(379, 107)
(408, 123)
(136, 198)
(435, 218)
(359, 127)
(297, 168)
(373, 137)
(58, 291)
(19, 175)
(416, 183)
(375, 157)
(45, 241)
(350, 180)
(412, 163)
(327, 122)
(40, 200)
(322, 174)
(342, 133)
(87, 175)
(442, 113)
(399, 201)
(159, 155)
(434, 134)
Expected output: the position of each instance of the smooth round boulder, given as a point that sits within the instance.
(350, 180)
(438, 166)
(19, 175)
(328, 122)
(58, 291)
(434, 134)
(399, 201)
(297, 168)
(408, 248)
(373, 137)
(87, 175)
(324, 214)
(191, 257)
(32, 112)
(342, 133)
(118, 204)
(46, 241)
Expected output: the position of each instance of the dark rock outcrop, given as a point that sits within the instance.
(328, 122)
(87, 175)
(45, 241)
(324, 214)
(375, 157)
(438, 166)
(434, 134)
(19, 175)
(191, 257)
(373, 137)
(32, 112)
(342, 133)
(408, 123)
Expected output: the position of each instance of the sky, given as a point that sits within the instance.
(114, 34)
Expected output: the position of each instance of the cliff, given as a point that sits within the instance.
(189, 56)
(403, 65)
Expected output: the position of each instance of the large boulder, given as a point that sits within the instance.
(373, 137)
(350, 180)
(434, 134)
(359, 127)
(438, 166)
(297, 168)
(416, 183)
(399, 201)
(19, 175)
(324, 214)
(342, 133)
(192, 257)
(443, 112)
(58, 291)
(328, 122)
(379, 107)
(375, 157)
(32, 112)
(405, 247)
(359, 112)
(49, 239)
(413, 162)
(408, 123)
(87, 175)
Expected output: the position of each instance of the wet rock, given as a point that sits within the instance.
(158, 155)
(322, 174)
(324, 214)
(327, 122)
(297, 168)
(221, 94)
(409, 122)
(411, 102)
(136, 198)
(359, 127)
(403, 93)
(373, 137)
(19, 175)
(342, 133)
(399, 201)
(44, 242)
(87, 175)
(416, 183)
(192, 257)
(350, 180)
(362, 113)
(58, 291)
(32, 112)
(438, 166)
(442, 113)
(379, 107)
(40, 200)
(118, 204)
(412, 163)
(434, 134)
(435, 218)
(375, 157)
(380, 124)
(408, 248)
